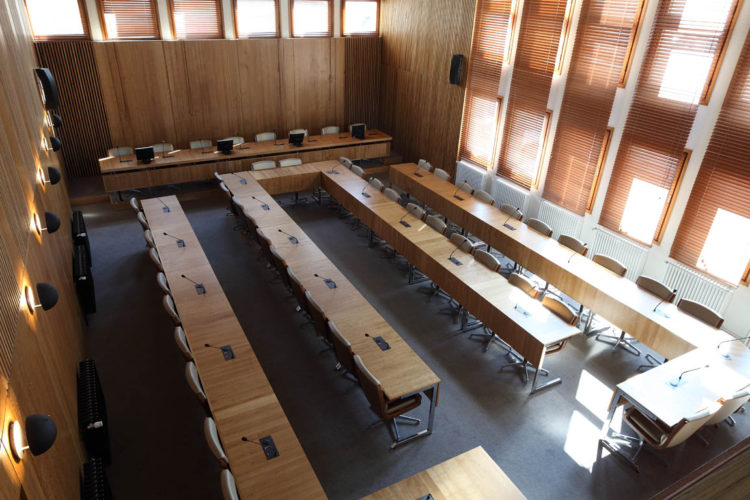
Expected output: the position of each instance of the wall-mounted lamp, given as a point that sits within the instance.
(41, 433)
(53, 173)
(52, 120)
(51, 219)
(47, 297)
(47, 88)
(54, 143)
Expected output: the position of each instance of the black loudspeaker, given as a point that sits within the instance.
(457, 66)
(48, 88)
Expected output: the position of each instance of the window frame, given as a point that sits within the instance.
(330, 22)
(377, 19)
(609, 132)
(242, 37)
(719, 59)
(84, 23)
(173, 28)
(630, 51)
(154, 8)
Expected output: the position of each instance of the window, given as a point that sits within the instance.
(129, 19)
(360, 17)
(492, 31)
(196, 19)
(601, 49)
(682, 56)
(56, 18)
(526, 120)
(312, 18)
(714, 234)
(256, 18)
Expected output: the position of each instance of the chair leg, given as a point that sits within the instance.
(467, 324)
(617, 442)
(619, 341)
(523, 363)
(654, 362)
(410, 420)
(487, 336)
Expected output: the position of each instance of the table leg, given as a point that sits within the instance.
(432, 391)
(609, 440)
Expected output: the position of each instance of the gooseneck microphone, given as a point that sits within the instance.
(293, 239)
(250, 441)
(199, 288)
(455, 193)
(164, 152)
(242, 179)
(727, 355)
(263, 205)
(416, 172)
(367, 183)
(328, 281)
(165, 209)
(402, 221)
(677, 382)
(226, 350)
(574, 254)
(662, 301)
(180, 241)
(452, 258)
(508, 226)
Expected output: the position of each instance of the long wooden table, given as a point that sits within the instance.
(471, 475)
(241, 399)
(188, 165)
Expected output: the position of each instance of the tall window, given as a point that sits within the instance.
(714, 234)
(56, 18)
(603, 39)
(129, 19)
(256, 18)
(492, 30)
(196, 19)
(312, 18)
(360, 17)
(527, 118)
(684, 49)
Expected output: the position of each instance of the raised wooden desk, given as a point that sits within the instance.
(471, 475)
(241, 399)
(188, 165)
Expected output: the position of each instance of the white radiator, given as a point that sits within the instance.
(693, 285)
(631, 255)
(472, 175)
(504, 192)
(560, 220)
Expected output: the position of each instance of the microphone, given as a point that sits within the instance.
(163, 150)
(453, 259)
(291, 238)
(678, 381)
(328, 281)
(656, 307)
(226, 350)
(269, 447)
(333, 170)
(402, 221)
(264, 206)
(367, 183)
(574, 254)
(199, 288)
(180, 242)
(380, 341)
(455, 193)
(727, 355)
(505, 224)
(165, 209)
(242, 179)
(416, 172)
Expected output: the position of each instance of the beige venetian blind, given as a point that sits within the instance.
(601, 49)
(129, 19)
(491, 32)
(313, 18)
(683, 51)
(526, 117)
(196, 19)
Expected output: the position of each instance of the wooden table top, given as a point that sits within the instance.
(471, 475)
(280, 146)
(241, 398)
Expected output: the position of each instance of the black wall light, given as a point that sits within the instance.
(47, 297)
(55, 143)
(47, 88)
(53, 174)
(52, 221)
(41, 432)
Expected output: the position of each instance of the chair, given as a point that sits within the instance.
(263, 165)
(392, 194)
(168, 304)
(377, 184)
(343, 349)
(290, 162)
(142, 220)
(442, 174)
(161, 279)
(462, 242)
(182, 343)
(265, 246)
(729, 406)
(154, 256)
(298, 131)
(416, 210)
(356, 169)
(228, 486)
(487, 259)
(135, 204)
(511, 211)
(149, 238)
(280, 264)
(265, 136)
(194, 382)
(318, 316)
(236, 140)
(611, 264)
(525, 284)
(120, 151)
(424, 165)
(162, 147)
(298, 290)
(664, 294)
(201, 143)
(212, 438)
(330, 130)
(539, 226)
(484, 197)
(346, 162)
(701, 312)
(436, 223)
(574, 244)
(388, 411)
(615, 266)
(465, 186)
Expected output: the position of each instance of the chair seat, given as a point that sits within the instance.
(400, 406)
(654, 433)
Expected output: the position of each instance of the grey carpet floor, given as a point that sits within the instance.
(546, 443)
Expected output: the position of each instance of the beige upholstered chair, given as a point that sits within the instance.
(343, 349)
(424, 165)
(149, 238)
(154, 256)
(161, 279)
(201, 143)
(729, 405)
(441, 174)
(214, 443)
(416, 210)
(465, 186)
(462, 242)
(318, 316)
(298, 290)
(298, 131)
(330, 130)
(525, 284)
(162, 147)
(263, 165)
(655, 287)
(236, 140)
(539, 226)
(377, 184)
(611, 264)
(703, 313)
(484, 196)
(194, 382)
(659, 436)
(356, 169)
(168, 304)
(290, 162)
(561, 309)
(120, 151)
(265, 136)
(142, 220)
(392, 194)
(511, 211)
(487, 259)
(573, 243)
(182, 343)
(436, 222)
(228, 486)
(346, 162)
(135, 204)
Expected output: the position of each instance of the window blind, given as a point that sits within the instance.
(196, 19)
(256, 18)
(492, 28)
(129, 19)
(683, 52)
(605, 29)
(312, 18)
(526, 117)
(360, 17)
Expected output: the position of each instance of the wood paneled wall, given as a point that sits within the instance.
(363, 80)
(418, 106)
(38, 353)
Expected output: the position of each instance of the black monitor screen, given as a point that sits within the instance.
(225, 146)
(144, 155)
(296, 139)
(358, 131)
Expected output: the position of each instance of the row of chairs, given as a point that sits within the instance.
(269, 164)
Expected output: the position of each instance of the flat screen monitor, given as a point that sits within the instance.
(144, 155)
(296, 139)
(225, 146)
(358, 131)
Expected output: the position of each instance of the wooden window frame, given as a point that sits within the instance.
(672, 196)
(608, 133)
(154, 7)
(84, 23)
(237, 32)
(350, 35)
(222, 35)
(564, 37)
(511, 32)
(543, 150)
(330, 14)
(711, 81)
(630, 51)
(746, 277)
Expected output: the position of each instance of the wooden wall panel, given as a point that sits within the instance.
(362, 71)
(260, 97)
(417, 104)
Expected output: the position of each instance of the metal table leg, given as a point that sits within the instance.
(432, 394)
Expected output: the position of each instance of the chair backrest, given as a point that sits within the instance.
(142, 220)
(345, 162)
(342, 348)
(487, 259)
(539, 226)
(465, 186)
(436, 223)
(298, 131)
(201, 143)
(392, 194)
(511, 211)
(462, 242)
(573, 243)
(484, 196)
(355, 124)
(297, 289)
(239, 206)
(217, 176)
(377, 184)
(703, 313)
(358, 170)
(659, 437)
(263, 165)
(149, 238)
(416, 210)
(560, 308)
(194, 381)
(228, 486)
(729, 405)
(154, 256)
(161, 279)
(441, 174)
(135, 204)
(318, 316)
(525, 284)
(224, 188)
(424, 165)
(168, 304)
(610, 263)
(265, 136)
(120, 151)
(330, 130)
(290, 162)
(370, 386)
(212, 438)
(236, 140)
(655, 287)
(162, 147)
(182, 343)
(265, 244)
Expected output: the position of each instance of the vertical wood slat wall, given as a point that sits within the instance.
(362, 80)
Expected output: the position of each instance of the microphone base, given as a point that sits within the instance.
(330, 283)
(180, 243)
(227, 351)
(455, 261)
(676, 383)
(332, 172)
(522, 310)
(166, 210)
(418, 174)
(662, 313)
(404, 223)
(508, 226)
(200, 289)
(243, 182)
(381, 342)
(458, 197)
(293, 240)
(265, 207)
(366, 195)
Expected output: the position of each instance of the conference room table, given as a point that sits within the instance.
(241, 399)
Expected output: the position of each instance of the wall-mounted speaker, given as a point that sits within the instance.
(457, 67)
(47, 88)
